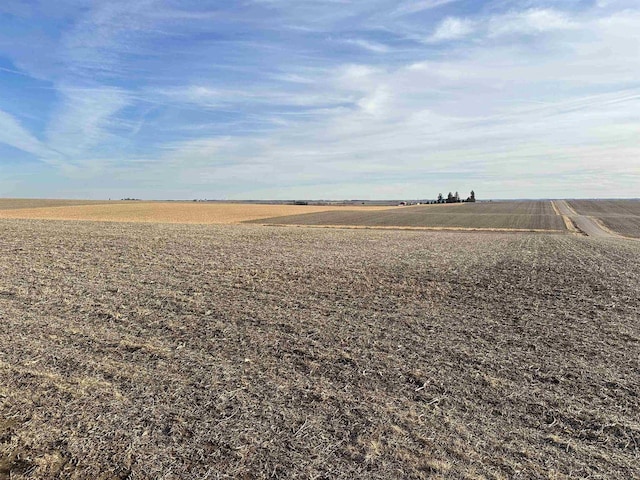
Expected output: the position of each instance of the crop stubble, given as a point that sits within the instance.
(242, 351)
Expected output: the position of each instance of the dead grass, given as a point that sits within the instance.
(171, 212)
(185, 351)
(570, 226)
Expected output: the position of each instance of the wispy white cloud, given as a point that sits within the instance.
(452, 28)
(84, 120)
(266, 95)
(98, 40)
(368, 45)
(531, 21)
(521, 23)
(14, 134)
(414, 6)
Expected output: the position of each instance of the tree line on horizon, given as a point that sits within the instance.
(451, 198)
(455, 198)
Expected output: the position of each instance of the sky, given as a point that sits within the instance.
(319, 99)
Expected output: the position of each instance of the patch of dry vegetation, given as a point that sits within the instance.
(173, 351)
(570, 226)
(620, 216)
(171, 212)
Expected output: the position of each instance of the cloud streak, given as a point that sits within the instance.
(12, 133)
(416, 6)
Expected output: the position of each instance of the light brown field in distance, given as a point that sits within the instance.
(16, 203)
(171, 212)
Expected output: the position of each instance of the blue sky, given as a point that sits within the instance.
(319, 99)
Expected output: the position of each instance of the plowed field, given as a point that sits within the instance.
(620, 216)
(606, 207)
(149, 351)
(534, 215)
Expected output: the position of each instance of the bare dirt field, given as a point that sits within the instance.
(620, 216)
(513, 207)
(525, 215)
(189, 351)
(628, 226)
(170, 212)
(606, 207)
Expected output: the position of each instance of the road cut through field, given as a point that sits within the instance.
(587, 225)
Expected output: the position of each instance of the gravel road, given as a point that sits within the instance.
(589, 226)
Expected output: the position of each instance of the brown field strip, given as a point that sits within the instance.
(605, 207)
(173, 212)
(620, 226)
(485, 216)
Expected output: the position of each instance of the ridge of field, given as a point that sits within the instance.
(190, 351)
(20, 203)
(533, 215)
(620, 216)
(171, 212)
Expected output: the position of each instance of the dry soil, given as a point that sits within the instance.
(148, 351)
